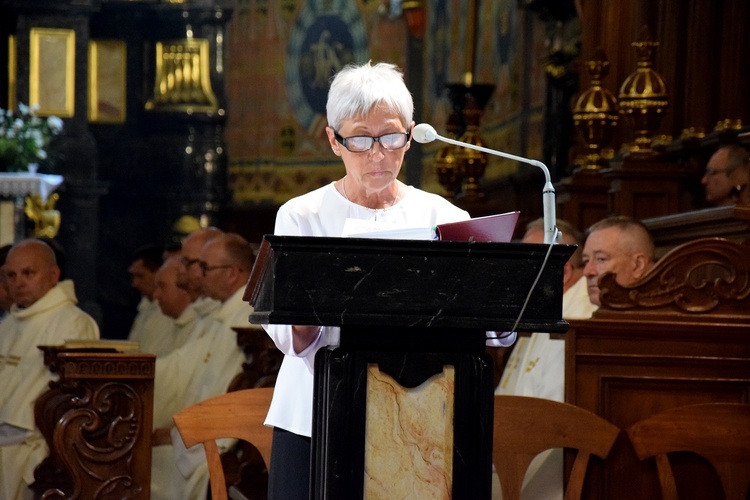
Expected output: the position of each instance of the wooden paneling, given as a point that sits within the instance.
(700, 56)
(671, 339)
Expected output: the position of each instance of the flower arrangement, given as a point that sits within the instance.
(25, 137)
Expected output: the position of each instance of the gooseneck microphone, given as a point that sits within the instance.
(424, 133)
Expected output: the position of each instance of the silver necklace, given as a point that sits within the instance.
(395, 199)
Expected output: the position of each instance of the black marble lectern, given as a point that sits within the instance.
(403, 405)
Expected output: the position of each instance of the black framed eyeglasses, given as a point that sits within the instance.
(362, 143)
(206, 268)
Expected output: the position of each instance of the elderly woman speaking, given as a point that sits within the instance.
(369, 113)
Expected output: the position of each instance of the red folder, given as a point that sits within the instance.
(498, 228)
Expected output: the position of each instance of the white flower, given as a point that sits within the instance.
(55, 124)
(25, 137)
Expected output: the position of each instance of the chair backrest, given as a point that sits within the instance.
(719, 432)
(238, 414)
(525, 427)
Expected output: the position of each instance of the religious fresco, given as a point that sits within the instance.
(288, 50)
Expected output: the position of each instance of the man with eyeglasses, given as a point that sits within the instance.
(727, 175)
(204, 366)
(175, 370)
(191, 276)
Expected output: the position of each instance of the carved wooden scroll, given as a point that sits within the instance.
(97, 421)
(709, 276)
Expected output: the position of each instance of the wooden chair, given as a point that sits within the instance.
(238, 414)
(525, 427)
(719, 432)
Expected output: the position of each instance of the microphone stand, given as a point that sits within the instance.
(424, 133)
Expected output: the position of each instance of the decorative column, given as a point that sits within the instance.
(462, 179)
(460, 169)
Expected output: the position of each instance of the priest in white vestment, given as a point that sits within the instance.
(44, 313)
(536, 366)
(205, 365)
(149, 322)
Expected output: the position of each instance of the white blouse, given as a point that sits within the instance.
(323, 212)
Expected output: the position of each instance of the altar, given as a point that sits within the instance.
(19, 190)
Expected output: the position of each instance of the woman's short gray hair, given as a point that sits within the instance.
(356, 90)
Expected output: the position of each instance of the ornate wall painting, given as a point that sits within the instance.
(276, 127)
(52, 71)
(327, 35)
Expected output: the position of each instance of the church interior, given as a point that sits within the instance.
(186, 114)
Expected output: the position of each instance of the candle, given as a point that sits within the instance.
(470, 42)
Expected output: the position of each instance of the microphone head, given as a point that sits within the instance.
(424, 133)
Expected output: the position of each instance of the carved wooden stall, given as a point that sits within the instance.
(97, 421)
(731, 222)
(678, 336)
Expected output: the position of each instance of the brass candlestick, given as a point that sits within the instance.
(447, 163)
(466, 166)
(472, 163)
(596, 114)
(643, 96)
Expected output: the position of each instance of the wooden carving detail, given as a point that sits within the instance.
(97, 422)
(95, 439)
(706, 276)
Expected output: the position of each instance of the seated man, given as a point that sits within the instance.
(205, 365)
(190, 277)
(727, 175)
(175, 303)
(621, 245)
(149, 322)
(536, 366)
(44, 313)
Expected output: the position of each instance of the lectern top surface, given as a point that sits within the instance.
(349, 281)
